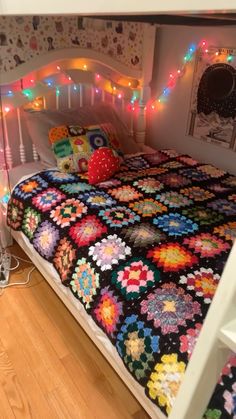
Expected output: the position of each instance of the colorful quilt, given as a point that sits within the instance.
(143, 252)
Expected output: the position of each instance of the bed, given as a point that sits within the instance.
(168, 212)
(168, 218)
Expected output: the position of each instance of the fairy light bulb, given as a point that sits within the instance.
(69, 78)
(85, 67)
(98, 77)
(96, 91)
(203, 43)
(153, 107)
(119, 96)
(206, 50)
(114, 88)
(229, 58)
(171, 76)
(129, 84)
(7, 109)
(75, 87)
(58, 67)
(217, 53)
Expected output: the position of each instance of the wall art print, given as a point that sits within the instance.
(25, 37)
(213, 102)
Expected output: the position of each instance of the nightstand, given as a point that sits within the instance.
(5, 235)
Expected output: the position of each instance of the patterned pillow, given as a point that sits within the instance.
(102, 165)
(73, 145)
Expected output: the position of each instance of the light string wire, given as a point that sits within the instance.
(116, 90)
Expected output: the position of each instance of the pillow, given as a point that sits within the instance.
(39, 123)
(102, 165)
(93, 132)
(74, 145)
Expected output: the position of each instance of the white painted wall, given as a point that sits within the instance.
(169, 126)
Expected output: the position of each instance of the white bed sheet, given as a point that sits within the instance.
(16, 174)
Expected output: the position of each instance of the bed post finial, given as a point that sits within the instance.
(140, 126)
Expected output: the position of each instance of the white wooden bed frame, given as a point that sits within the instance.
(215, 339)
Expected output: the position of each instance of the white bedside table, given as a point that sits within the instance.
(5, 235)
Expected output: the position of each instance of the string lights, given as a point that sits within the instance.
(121, 91)
(179, 73)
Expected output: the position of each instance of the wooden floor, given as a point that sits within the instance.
(49, 368)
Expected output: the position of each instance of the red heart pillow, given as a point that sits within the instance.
(102, 165)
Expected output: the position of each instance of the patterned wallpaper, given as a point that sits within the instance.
(23, 38)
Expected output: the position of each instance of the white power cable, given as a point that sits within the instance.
(13, 284)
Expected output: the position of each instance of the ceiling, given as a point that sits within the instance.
(216, 19)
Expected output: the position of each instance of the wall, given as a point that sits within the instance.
(25, 37)
(169, 125)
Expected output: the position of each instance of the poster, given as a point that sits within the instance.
(213, 99)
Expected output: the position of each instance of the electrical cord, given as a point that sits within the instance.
(13, 284)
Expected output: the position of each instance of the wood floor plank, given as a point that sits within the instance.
(50, 371)
(5, 408)
(10, 385)
(102, 395)
(93, 365)
(42, 340)
(37, 401)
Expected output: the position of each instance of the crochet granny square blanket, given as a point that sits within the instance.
(143, 252)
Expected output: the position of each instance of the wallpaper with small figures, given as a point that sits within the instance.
(143, 252)
(23, 38)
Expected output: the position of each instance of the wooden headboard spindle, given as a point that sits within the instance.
(22, 147)
(8, 152)
(80, 95)
(92, 96)
(69, 96)
(35, 154)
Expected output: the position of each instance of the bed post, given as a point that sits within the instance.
(147, 68)
(7, 149)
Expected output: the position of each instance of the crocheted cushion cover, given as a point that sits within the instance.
(103, 164)
(73, 145)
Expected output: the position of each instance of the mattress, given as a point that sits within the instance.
(20, 172)
(170, 222)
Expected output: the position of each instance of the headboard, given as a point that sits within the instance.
(73, 76)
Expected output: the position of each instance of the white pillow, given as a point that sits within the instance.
(39, 124)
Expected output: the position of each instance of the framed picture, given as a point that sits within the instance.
(213, 100)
